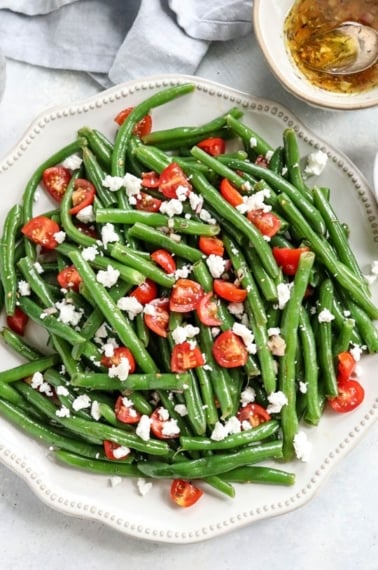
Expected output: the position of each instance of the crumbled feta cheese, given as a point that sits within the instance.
(172, 207)
(233, 425)
(131, 305)
(89, 253)
(325, 316)
(247, 396)
(86, 215)
(115, 481)
(143, 428)
(63, 412)
(246, 335)
(181, 409)
(81, 402)
(283, 294)
(303, 387)
(268, 155)
(72, 162)
(205, 216)
(59, 236)
(215, 331)
(196, 202)
(273, 331)
(316, 162)
(182, 193)
(276, 345)
(163, 414)
(121, 452)
(170, 428)
(216, 265)
(68, 313)
(219, 432)
(143, 486)
(38, 267)
(108, 277)
(236, 309)
(95, 410)
(253, 142)
(121, 371)
(101, 332)
(276, 402)
(182, 333)
(24, 288)
(302, 446)
(255, 202)
(108, 234)
(284, 171)
(114, 183)
(183, 272)
(38, 383)
(356, 352)
(61, 391)
(133, 186)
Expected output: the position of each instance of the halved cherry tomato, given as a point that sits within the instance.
(109, 448)
(261, 160)
(207, 311)
(150, 179)
(185, 356)
(213, 145)
(171, 178)
(82, 196)
(288, 258)
(142, 128)
(147, 203)
(18, 321)
(55, 180)
(184, 493)
(267, 222)
(211, 245)
(229, 291)
(230, 193)
(119, 353)
(145, 292)
(41, 230)
(163, 258)
(350, 395)
(157, 318)
(87, 229)
(229, 350)
(126, 414)
(157, 425)
(69, 278)
(345, 366)
(185, 295)
(254, 414)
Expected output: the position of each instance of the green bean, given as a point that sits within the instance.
(125, 131)
(152, 381)
(252, 140)
(277, 161)
(111, 312)
(233, 441)
(12, 225)
(109, 468)
(326, 366)
(20, 345)
(99, 144)
(212, 464)
(366, 327)
(286, 370)
(28, 369)
(292, 159)
(311, 368)
(344, 338)
(66, 219)
(96, 175)
(8, 393)
(220, 168)
(259, 474)
(37, 284)
(208, 396)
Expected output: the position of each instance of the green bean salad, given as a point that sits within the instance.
(199, 297)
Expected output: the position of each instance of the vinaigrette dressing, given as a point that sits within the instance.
(308, 18)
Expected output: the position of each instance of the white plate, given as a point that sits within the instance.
(153, 517)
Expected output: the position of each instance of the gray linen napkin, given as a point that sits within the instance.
(118, 40)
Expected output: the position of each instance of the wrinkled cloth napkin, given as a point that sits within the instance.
(119, 40)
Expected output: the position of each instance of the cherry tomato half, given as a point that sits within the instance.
(229, 291)
(171, 178)
(69, 278)
(150, 179)
(207, 311)
(142, 128)
(126, 414)
(288, 258)
(119, 353)
(157, 426)
(267, 222)
(185, 356)
(18, 321)
(109, 449)
(55, 180)
(254, 414)
(147, 203)
(345, 366)
(230, 193)
(41, 230)
(350, 395)
(213, 145)
(83, 195)
(157, 316)
(163, 258)
(211, 245)
(185, 295)
(184, 493)
(145, 292)
(229, 350)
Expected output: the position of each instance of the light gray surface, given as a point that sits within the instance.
(338, 529)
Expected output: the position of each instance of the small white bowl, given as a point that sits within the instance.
(268, 20)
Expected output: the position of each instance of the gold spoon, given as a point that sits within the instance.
(349, 48)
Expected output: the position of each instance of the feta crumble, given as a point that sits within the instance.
(131, 305)
(89, 253)
(86, 215)
(143, 428)
(302, 446)
(63, 412)
(247, 396)
(81, 402)
(121, 371)
(325, 316)
(95, 410)
(181, 409)
(60, 236)
(121, 452)
(108, 277)
(24, 288)
(316, 162)
(182, 332)
(283, 293)
(216, 265)
(113, 183)
(72, 162)
(68, 313)
(277, 400)
(171, 207)
(108, 234)
(255, 202)
(143, 486)
(246, 335)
